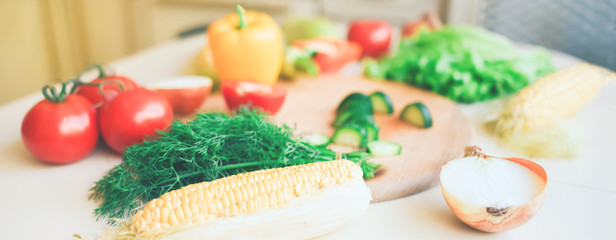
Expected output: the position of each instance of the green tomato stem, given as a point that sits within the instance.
(240, 13)
(99, 68)
(50, 94)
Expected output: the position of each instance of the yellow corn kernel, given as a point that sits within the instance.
(243, 194)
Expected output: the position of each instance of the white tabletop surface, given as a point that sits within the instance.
(41, 201)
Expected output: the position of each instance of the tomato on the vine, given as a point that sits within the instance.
(105, 85)
(110, 86)
(133, 115)
(61, 128)
(269, 98)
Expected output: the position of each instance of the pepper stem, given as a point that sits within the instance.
(240, 13)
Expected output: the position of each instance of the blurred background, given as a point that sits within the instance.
(45, 41)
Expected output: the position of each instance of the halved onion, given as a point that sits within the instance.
(185, 93)
(493, 194)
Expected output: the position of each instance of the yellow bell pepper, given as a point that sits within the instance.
(247, 46)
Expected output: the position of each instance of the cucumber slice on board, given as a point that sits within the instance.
(350, 135)
(342, 119)
(382, 103)
(354, 100)
(384, 148)
(417, 114)
(358, 115)
(372, 131)
(318, 139)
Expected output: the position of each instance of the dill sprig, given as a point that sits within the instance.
(212, 146)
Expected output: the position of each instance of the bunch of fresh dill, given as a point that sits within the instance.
(212, 146)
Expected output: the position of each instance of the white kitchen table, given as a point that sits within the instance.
(42, 201)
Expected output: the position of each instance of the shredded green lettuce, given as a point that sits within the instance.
(464, 63)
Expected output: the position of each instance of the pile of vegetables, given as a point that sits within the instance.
(356, 127)
(65, 126)
(466, 64)
(212, 146)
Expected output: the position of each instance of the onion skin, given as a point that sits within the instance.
(488, 219)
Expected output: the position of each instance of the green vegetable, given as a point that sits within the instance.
(384, 148)
(354, 115)
(350, 135)
(298, 62)
(372, 131)
(382, 103)
(464, 63)
(355, 100)
(416, 114)
(212, 146)
(319, 140)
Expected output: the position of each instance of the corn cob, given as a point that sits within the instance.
(551, 99)
(303, 201)
(530, 122)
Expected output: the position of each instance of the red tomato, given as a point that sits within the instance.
(374, 36)
(269, 98)
(347, 52)
(331, 54)
(110, 89)
(133, 115)
(61, 132)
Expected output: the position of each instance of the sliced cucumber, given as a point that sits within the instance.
(384, 148)
(382, 103)
(350, 135)
(353, 101)
(355, 115)
(417, 114)
(318, 139)
(342, 119)
(372, 132)
(351, 97)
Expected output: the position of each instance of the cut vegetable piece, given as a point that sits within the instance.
(318, 139)
(355, 115)
(350, 135)
(417, 114)
(354, 99)
(352, 96)
(342, 119)
(505, 192)
(372, 132)
(384, 148)
(303, 201)
(381, 103)
(364, 106)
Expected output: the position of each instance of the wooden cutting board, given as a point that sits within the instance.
(310, 107)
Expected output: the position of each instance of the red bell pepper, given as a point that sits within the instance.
(331, 54)
(269, 98)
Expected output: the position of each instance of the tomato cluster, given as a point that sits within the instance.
(64, 127)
